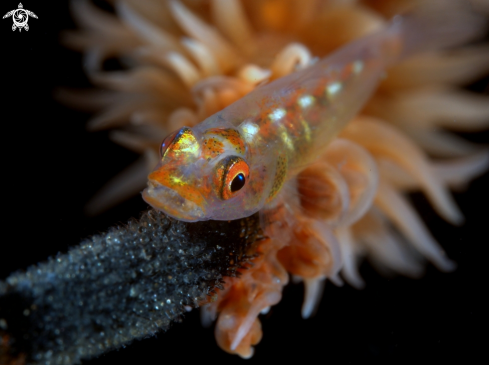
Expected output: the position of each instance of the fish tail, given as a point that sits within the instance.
(437, 24)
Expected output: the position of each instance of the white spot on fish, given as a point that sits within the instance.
(249, 130)
(277, 114)
(357, 67)
(305, 101)
(334, 88)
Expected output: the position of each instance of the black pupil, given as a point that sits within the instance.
(237, 183)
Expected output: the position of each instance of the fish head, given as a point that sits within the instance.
(204, 173)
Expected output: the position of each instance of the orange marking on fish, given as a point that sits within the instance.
(212, 148)
(169, 178)
(231, 136)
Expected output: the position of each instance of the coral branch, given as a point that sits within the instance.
(126, 284)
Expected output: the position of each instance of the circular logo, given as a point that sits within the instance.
(20, 17)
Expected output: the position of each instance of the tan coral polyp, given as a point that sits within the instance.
(320, 190)
(307, 254)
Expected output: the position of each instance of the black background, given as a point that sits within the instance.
(51, 166)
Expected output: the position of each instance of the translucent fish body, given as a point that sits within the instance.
(236, 161)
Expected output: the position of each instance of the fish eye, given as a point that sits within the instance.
(232, 173)
(167, 142)
(180, 145)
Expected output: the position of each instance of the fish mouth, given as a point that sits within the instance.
(171, 203)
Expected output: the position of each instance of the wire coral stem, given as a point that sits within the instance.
(126, 284)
